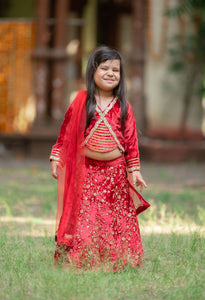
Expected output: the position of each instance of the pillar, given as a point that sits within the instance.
(41, 64)
(59, 59)
(137, 62)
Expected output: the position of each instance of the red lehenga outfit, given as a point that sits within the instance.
(97, 205)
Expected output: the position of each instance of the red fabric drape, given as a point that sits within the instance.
(71, 171)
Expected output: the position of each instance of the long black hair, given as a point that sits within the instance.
(101, 54)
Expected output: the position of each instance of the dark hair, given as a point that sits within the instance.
(101, 54)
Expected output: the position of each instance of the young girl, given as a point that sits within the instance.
(95, 153)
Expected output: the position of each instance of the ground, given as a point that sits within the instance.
(172, 232)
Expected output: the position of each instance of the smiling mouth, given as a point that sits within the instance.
(109, 79)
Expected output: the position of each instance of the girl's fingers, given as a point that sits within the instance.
(54, 169)
(141, 183)
(144, 184)
(54, 175)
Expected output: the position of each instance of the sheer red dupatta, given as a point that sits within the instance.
(139, 202)
(71, 172)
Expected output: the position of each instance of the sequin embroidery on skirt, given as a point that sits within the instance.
(107, 234)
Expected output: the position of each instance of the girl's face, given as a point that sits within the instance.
(107, 75)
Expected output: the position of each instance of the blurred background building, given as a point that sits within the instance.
(44, 46)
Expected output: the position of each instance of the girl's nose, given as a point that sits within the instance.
(110, 72)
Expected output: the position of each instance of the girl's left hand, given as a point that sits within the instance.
(138, 180)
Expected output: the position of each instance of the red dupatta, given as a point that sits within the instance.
(71, 172)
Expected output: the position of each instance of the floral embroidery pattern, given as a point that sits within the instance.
(107, 232)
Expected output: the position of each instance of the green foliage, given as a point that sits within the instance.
(186, 52)
(187, 6)
(193, 43)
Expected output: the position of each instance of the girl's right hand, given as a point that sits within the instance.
(54, 168)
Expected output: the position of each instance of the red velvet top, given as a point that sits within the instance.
(110, 118)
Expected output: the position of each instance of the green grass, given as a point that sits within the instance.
(172, 233)
(27, 192)
(173, 269)
(187, 204)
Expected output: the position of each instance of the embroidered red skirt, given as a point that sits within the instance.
(107, 233)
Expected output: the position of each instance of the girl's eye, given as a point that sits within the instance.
(103, 68)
